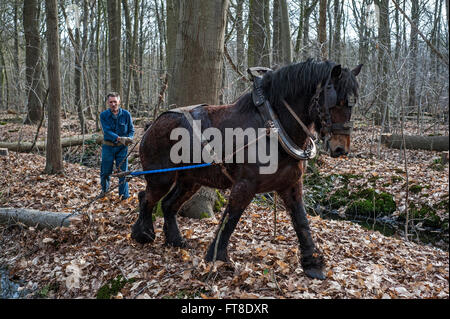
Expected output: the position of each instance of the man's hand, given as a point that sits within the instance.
(125, 140)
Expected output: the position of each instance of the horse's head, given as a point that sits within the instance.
(336, 101)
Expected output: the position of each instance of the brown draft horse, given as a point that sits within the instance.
(325, 111)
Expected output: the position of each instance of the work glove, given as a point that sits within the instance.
(125, 140)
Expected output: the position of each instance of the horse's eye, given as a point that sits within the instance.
(351, 101)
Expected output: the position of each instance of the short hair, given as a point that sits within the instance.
(112, 94)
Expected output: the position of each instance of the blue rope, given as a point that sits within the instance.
(163, 170)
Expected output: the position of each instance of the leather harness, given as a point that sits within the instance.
(271, 119)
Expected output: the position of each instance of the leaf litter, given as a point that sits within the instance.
(78, 260)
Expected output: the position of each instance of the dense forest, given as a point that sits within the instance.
(59, 59)
(131, 47)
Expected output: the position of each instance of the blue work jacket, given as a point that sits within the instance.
(116, 125)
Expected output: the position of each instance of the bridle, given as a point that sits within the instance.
(327, 126)
(271, 120)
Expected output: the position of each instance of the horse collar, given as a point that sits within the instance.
(272, 122)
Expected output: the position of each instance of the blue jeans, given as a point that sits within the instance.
(109, 154)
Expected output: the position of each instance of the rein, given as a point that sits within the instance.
(272, 122)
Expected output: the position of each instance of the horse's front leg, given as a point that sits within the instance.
(241, 195)
(311, 260)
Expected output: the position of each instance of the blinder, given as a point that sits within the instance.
(328, 127)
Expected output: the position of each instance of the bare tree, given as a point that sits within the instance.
(322, 34)
(258, 53)
(31, 12)
(197, 76)
(54, 163)
(114, 24)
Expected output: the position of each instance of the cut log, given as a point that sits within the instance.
(65, 142)
(35, 218)
(416, 142)
(444, 157)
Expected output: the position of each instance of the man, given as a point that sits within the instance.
(118, 132)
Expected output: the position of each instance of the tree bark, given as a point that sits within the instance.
(42, 145)
(33, 61)
(323, 29)
(240, 46)
(54, 162)
(416, 142)
(384, 49)
(114, 25)
(258, 40)
(413, 57)
(197, 72)
(34, 218)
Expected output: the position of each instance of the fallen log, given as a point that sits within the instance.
(41, 145)
(416, 142)
(34, 218)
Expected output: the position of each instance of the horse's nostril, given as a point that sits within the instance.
(339, 151)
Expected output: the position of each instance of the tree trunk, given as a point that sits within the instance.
(77, 80)
(35, 218)
(323, 29)
(197, 73)
(42, 145)
(114, 25)
(281, 47)
(54, 163)
(384, 49)
(416, 142)
(413, 57)
(258, 41)
(33, 61)
(172, 13)
(285, 36)
(276, 33)
(240, 47)
(338, 12)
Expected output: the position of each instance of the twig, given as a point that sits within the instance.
(158, 281)
(276, 282)
(40, 123)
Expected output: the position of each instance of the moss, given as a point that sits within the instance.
(157, 210)
(396, 179)
(442, 205)
(112, 287)
(368, 202)
(437, 165)
(425, 214)
(220, 202)
(361, 207)
(415, 189)
(339, 198)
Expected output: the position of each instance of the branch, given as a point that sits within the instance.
(233, 66)
(432, 47)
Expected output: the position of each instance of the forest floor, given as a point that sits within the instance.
(95, 256)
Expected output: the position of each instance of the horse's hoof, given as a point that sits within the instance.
(220, 256)
(181, 243)
(314, 273)
(143, 237)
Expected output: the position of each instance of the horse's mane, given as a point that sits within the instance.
(299, 80)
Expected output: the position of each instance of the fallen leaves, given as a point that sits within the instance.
(78, 260)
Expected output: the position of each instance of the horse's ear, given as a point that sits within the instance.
(356, 70)
(336, 72)
(267, 79)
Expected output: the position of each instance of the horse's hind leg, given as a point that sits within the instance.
(311, 261)
(170, 206)
(241, 195)
(143, 231)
